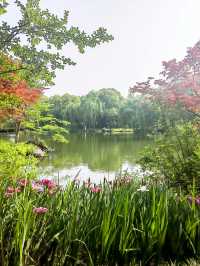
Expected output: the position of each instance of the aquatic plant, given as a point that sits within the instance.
(119, 223)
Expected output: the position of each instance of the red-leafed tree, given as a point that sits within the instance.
(179, 82)
(15, 95)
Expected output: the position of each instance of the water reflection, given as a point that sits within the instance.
(95, 156)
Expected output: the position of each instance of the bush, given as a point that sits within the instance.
(176, 155)
(16, 160)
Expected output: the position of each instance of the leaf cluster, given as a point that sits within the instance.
(16, 160)
(41, 123)
(38, 38)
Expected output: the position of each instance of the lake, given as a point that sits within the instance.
(93, 156)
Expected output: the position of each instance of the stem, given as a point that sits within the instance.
(12, 70)
(17, 131)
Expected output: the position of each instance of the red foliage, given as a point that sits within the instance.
(179, 82)
(20, 90)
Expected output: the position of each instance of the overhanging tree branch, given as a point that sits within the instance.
(12, 70)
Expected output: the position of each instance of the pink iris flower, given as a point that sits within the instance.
(194, 199)
(95, 189)
(197, 200)
(87, 184)
(190, 199)
(37, 187)
(11, 190)
(23, 182)
(48, 183)
(40, 210)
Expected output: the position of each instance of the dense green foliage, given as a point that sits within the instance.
(16, 160)
(107, 108)
(39, 123)
(176, 155)
(113, 224)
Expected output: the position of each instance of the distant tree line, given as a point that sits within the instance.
(107, 108)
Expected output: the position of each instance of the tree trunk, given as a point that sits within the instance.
(17, 131)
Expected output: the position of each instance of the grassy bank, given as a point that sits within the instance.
(118, 130)
(122, 223)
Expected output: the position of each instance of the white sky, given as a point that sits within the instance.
(146, 32)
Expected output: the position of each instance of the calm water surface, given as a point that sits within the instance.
(92, 156)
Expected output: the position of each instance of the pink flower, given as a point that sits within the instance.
(40, 210)
(18, 189)
(37, 187)
(11, 190)
(197, 200)
(48, 183)
(23, 182)
(95, 189)
(51, 185)
(190, 199)
(87, 184)
(194, 199)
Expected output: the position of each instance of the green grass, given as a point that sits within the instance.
(116, 226)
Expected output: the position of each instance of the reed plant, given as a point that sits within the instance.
(119, 223)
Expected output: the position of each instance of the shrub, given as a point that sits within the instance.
(176, 155)
(16, 160)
